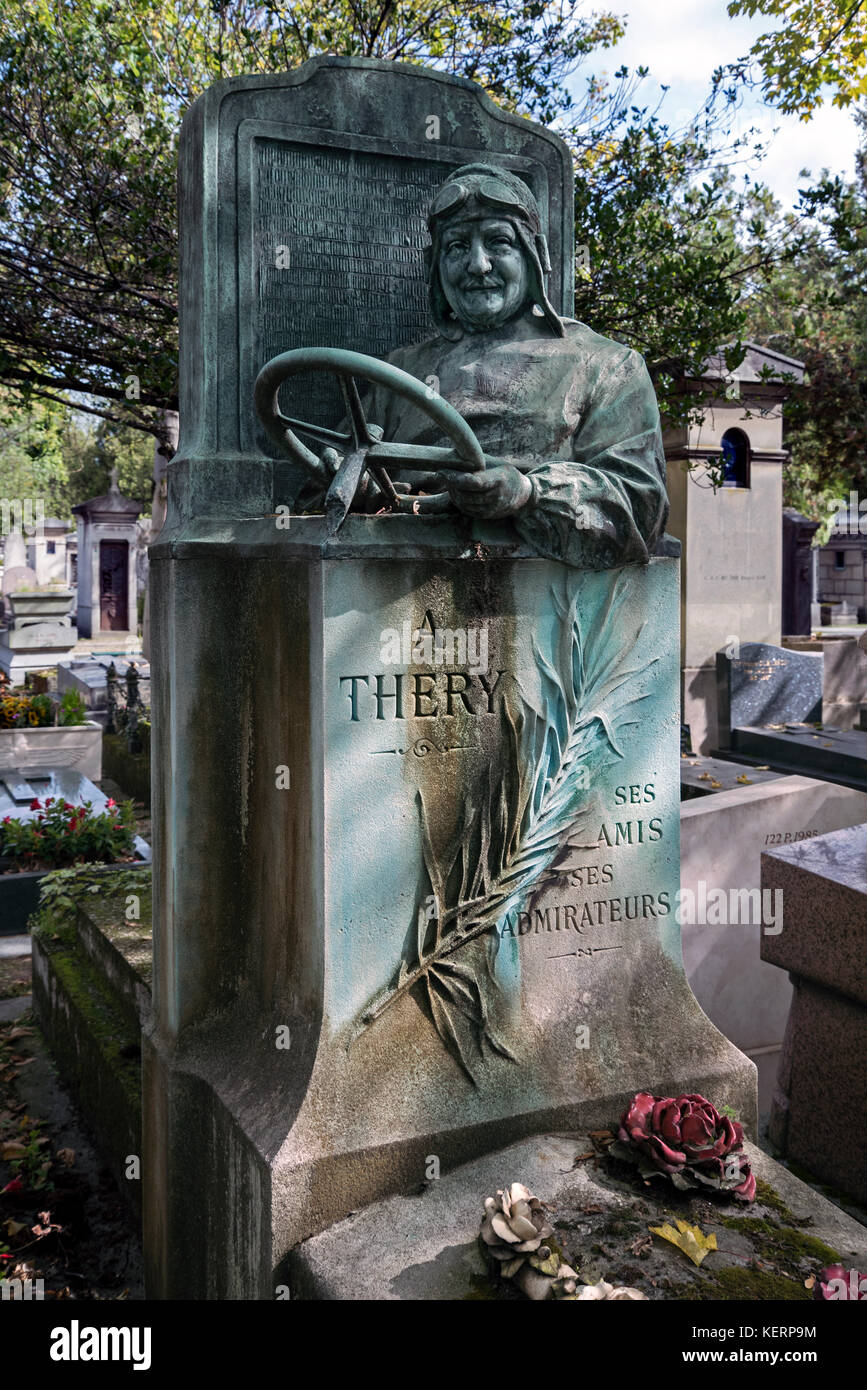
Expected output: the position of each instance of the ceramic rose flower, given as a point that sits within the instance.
(835, 1283)
(688, 1140)
(514, 1226)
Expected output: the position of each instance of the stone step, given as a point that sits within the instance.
(425, 1246)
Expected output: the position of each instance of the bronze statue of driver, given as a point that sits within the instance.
(566, 420)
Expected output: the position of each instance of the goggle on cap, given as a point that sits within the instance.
(479, 190)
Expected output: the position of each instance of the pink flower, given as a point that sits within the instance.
(838, 1283)
(111, 804)
(689, 1140)
(35, 804)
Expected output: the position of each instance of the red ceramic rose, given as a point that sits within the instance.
(688, 1140)
(838, 1283)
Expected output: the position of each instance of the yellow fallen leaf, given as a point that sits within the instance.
(744, 779)
(765, 767)
(704, 776)
(690, 1239)
(714, 783)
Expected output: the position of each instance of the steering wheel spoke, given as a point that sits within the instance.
(338, 439)
(355, 412)
(363, 443)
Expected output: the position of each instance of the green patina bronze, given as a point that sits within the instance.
(564, 421)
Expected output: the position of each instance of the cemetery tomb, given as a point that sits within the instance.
(404, 902)
(821, 1087)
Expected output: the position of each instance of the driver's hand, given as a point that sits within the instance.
(497, 492)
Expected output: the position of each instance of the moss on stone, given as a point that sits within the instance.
(747, 1283)
(105, 909)
(90, 995)
(776, 1241)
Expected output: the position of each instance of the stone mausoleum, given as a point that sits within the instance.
(731, 574)
(107, 563)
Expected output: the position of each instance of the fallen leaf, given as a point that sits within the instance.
(19, 1033)
(714, 783)
(13, 1228)
(765, 767)
(704, 776)
(690, 1239)
(601, 1138)
(66, 1156)
(744, 779)
(12, 1149)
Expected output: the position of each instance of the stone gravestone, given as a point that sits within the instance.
(416, 832)
(763, 685)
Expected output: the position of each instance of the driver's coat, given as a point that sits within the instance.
(582, 408)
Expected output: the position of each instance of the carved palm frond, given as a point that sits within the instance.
(534, 805)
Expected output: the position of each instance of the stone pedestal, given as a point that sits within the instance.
(821, 1095)
(359, 813)
(30, 642)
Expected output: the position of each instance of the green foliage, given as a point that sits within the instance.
(91, 99)
(33, 1165)
(816, 46)
(72, 710)
(90, 106)
(50, 452)
(63, 834)
(814, 307)
(67, 889)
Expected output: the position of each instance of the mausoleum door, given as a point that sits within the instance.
(113, 563)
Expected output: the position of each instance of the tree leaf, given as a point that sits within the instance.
(692, 1240)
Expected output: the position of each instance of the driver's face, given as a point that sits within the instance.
(483, 271)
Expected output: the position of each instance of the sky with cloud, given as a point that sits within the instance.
(682, 42)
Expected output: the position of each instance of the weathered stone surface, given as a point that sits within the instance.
(425, 1246)
(90, 988)
(700, 776)
(833, 756)
(824, 886)
(351, 1109)
(822, 1084)
(844, 676)
(78, 747)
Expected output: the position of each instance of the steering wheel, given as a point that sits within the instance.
(363, 442)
